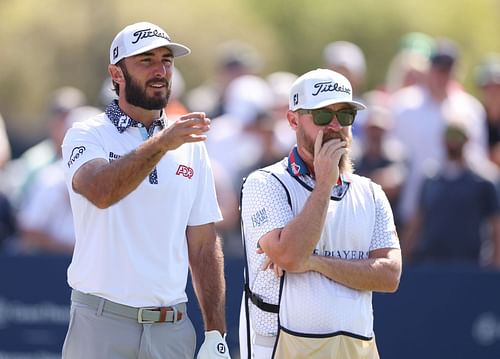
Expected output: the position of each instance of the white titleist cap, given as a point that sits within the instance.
(141, 37)
(320, 88)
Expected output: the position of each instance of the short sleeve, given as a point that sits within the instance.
(80, 145)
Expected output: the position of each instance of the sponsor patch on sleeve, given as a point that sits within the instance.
(76, 153)
(260, 217)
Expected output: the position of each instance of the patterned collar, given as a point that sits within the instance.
(296, 165)
(297, 169)
(122, 121)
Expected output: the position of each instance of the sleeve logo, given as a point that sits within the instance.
(76, 153)
(221, 348)
(259, 218)
(185, 171)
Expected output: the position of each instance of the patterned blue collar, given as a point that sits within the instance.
(297, 168)
(296, 165)
(122, 121)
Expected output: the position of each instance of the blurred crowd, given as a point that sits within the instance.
(432, 146)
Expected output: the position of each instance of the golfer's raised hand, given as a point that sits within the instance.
(188, 128)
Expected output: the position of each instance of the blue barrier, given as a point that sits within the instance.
(436, 313)
(440, 312)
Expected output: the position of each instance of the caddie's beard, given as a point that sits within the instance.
(345, 163)
(136, 95)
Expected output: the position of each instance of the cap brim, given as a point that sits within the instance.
(357, 105)
(177, 49)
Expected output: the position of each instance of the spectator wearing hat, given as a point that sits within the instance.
(419, 121)
(488, 81)
(458, 211)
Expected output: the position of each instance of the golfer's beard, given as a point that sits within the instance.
(136, 95)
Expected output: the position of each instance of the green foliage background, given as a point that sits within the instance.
(50, 43)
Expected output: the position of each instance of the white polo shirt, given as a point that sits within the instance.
(136, 252)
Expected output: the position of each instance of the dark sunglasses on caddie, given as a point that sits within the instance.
(323, 116)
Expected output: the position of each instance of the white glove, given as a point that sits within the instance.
(214, 346)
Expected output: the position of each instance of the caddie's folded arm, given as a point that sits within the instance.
(381, 272)
(289, 247)
(104, 183)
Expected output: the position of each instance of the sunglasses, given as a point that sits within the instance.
(323, 116)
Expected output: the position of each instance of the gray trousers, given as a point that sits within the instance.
(97, 335)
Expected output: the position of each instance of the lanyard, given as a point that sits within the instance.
(153, 176)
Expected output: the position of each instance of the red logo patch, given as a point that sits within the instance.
(185, 171)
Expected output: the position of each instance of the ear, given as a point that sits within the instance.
(116, 74)
(293, 118)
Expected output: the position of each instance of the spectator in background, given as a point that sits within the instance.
(411, 63)
(236, 143)
(488, 81)
(454, 205)
(233, 60)
(45, 220)
(232, 142)
(379, 157)
(21, 172)
(280, 83)
(419, 122)
(347, 59)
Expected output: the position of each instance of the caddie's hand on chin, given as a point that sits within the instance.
(327, 158)
(214, 346)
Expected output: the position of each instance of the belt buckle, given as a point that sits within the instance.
(139, 316)
(175, 310)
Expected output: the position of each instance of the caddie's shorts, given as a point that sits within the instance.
(97, 333)
(292, 346)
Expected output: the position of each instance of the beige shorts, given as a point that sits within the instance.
(339, 346)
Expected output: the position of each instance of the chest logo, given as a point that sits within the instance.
(185, 171)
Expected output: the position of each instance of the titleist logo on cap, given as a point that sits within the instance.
(146, 33)
(329, 86)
